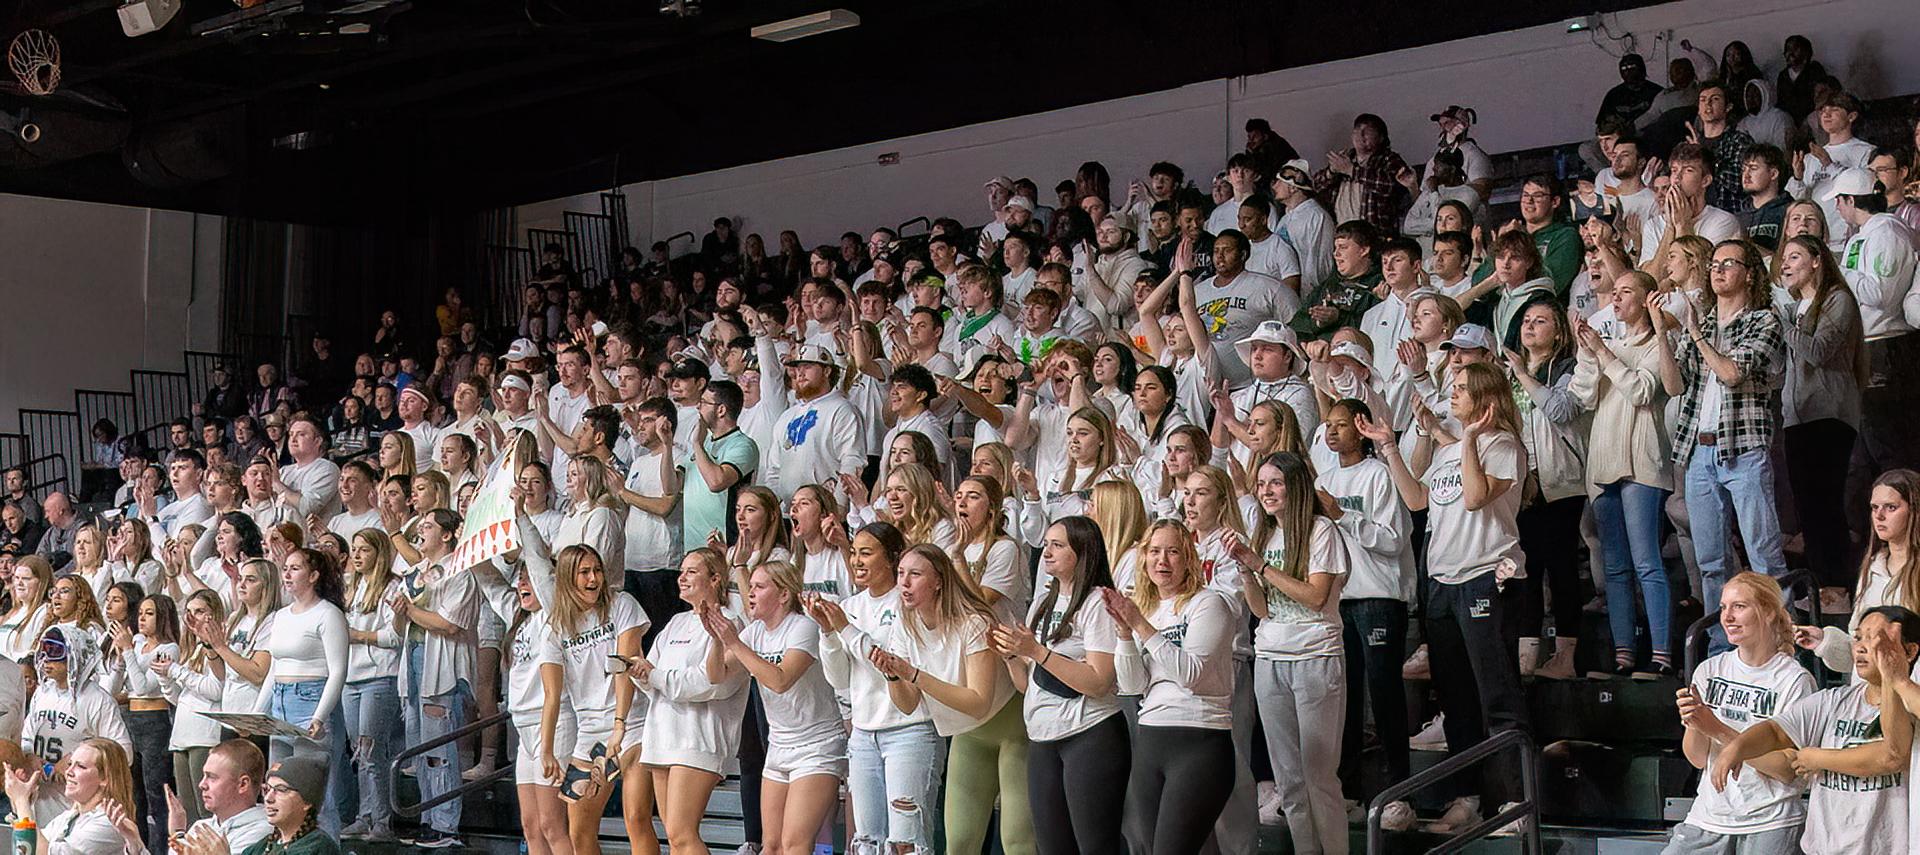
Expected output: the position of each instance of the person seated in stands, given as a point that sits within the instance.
(229, 793)
(295, 787)
(1852, 742)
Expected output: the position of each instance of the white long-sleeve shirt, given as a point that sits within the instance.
(318, 484)
(131, 672)
(307, 645)
(381, 658)
(1376, 529)
(192, 693)
(1185, 671)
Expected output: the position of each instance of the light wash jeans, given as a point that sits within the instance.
(431, 717)
(371, 708)
(901, 764)
(1742, 490)
(1303, 705)
(295, 703)
(1627, 514)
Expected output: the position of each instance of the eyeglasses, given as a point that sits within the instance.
(1536, 197)
(1727, 264)
(280, 789)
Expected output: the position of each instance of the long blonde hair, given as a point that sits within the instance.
(408, 463)
(92, 533)
(1229, 497)
(1772, 604)
(991, 532)
(786, 579)
(595, 485)
(1121, 516)
(1286, 437)
(116, 771)
(1148, 595)
(269, 577)
(196, 661)
(1487, 387)
(917, 522)
(566, 607)
(1072, 480)
(959, 598)
(365, 591)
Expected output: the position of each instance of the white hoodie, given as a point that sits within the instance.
(1769, 124)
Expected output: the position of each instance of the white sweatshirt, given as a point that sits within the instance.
(1376, 528)
(692, 721)
(1185, 672)
(814, 441)
(192, 693)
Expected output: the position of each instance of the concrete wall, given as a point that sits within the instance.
(1532, 87)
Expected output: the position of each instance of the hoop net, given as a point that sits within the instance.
(34, 57)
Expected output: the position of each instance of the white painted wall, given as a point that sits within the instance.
(1532, 87)
(96, 290)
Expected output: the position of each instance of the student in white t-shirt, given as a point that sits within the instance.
(543, 720)
(984, 550)
(1063, 661)
(1853, 743)
(820, 543)
(1762, 811)
(941, 660)
(892, 754)
(1470, 489)
(1356, 491)
(652, 489)
(1292, 585)
(1176, 651)
(807, 745)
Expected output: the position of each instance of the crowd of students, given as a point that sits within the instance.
(1119, 524)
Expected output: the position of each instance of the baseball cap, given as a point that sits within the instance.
(976, 359)
(1021, 202)
(1273, 332)
(1305, 169)
(1852, 181)
(1001, 180)
(1463, 115)
(514, 381)
(1470, 335)
(812, 353)
(521, 349)
(1352, 350)
(689, 368)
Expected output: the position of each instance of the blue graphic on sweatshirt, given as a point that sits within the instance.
(798, 429)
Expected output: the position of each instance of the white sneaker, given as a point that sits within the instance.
(1461, 812)
(747, 849)
(1433, 737)
(1416, 667)
(1398, 816)
(480, 770)
(1511, 828)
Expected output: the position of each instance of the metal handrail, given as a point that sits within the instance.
(399, 761)
(61, 479)
(1528, 808)
(902, 228)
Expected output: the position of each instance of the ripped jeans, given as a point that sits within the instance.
(371, 707)
(430, 717)
(894, 776)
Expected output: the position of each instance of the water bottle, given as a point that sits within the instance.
(25, 836)
(523, 846)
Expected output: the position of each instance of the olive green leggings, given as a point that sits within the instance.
(989, 761)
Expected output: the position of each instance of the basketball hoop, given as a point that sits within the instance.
(35, 59)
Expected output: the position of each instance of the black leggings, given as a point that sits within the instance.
(1817, 454)
(1198, 764)
(1077, 787)
(753, 758)
(1550, 535)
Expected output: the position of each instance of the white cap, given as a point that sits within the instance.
(1852, 181)
(521, 349)
(1273, 332)
(1352, 350)
(1305, 168)
(812, 353)
(514, 381)
(1470, 335)
(1020, 202)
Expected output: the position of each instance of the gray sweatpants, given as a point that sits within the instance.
(1303, 704)
(1693, 840)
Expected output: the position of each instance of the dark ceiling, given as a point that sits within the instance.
(450, 105)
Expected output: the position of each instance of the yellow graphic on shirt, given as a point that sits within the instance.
(1215, 314)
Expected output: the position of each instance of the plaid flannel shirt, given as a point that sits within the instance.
(1382, 199)
(1755, 343)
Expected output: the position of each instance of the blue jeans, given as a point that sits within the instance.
(371, 708)
(295, 703)
(1742, 489)
(430, 717)
(1628, 515)
(902, 764)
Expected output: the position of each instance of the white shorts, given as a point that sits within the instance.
(597, 729)
(526, 758)
(788, 763)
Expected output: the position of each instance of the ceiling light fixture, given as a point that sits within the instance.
(807, 25)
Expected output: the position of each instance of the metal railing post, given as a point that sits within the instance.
(400, 760)
(1528, 809)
